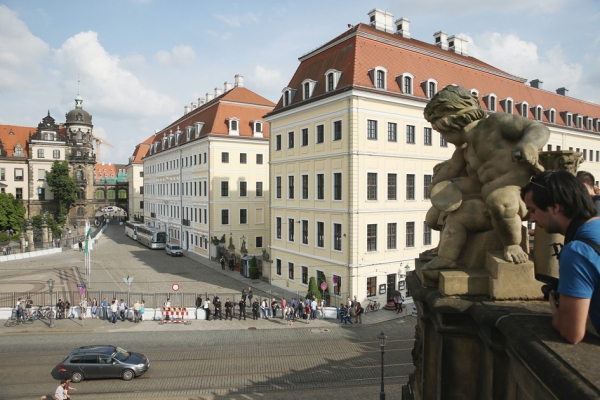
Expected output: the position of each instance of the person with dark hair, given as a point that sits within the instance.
(590, 184)
(558, 203)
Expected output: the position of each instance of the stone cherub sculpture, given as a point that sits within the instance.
(478, 188)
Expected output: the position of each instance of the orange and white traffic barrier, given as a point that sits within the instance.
(175, 314)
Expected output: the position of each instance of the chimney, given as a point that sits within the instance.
(200, 101)
(441, 39)
(239, 80)
(218, 92)
(209, 97)
(402, 27)
(227, 86)
(186, 110)
(562, 91)
(194, 106)
(381, 20)
(457, 45)
(536, 83)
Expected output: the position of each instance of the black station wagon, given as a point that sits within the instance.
(93, 362)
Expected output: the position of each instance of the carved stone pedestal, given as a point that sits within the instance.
(470, 348)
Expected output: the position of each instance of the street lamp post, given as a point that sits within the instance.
(51, 286)
(382, 338)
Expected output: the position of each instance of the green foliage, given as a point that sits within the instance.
(253, 270)
(63, 187)
(313, 289)
(12, 212)
(51, 222)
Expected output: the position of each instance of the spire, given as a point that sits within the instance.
(78, 99)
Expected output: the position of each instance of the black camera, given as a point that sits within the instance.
(551, 284)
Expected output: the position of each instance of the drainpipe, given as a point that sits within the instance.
(208, 185)
(349, 135)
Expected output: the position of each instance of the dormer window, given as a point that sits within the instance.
(597, 124)
(199, 126)
(405, 82)
(164, 143)
(537, 112)
(308, 86)
(490, 101)
(288, 96)
(189, 133)
(524, 109)
(551, 115)
(507, 105)
(234, 126)
(430, 88)
(18, 150)
(378, 77)
(475, 93)
(579, 121)
(588, 123)
(567, 118)
(332, 78)
(257, 128)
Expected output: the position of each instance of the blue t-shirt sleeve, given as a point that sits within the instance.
(576, 274)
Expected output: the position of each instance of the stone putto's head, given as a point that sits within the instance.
(453, 108)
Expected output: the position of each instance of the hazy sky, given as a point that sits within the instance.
(140, 62)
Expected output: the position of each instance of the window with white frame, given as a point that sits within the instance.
(426, 235)
(320, 136)
(551, 115)
(291, 270)
(371, 286)
(291, 187)
(225, 157)
(304, 187)
(234, 124)
(243, 216)
(337, 237)
(320, 234)
(259, 242)
(426, 184)
(427, 136)
(410, 186)
(371, 129)
(304, 137)
(278, 227)
(225, 216)
(337, 186)
(56, 154)
(507, 105)
(406, 83)
(538, 111)
(278, 266)
(259, 159)
(304, 231)
(410, 234)
(579, 122)
(337, 130)
(304, 275)
(40, 153)
(243, 158)
(277, 142)
(410, 134)
(224, 188)
(392, 132)
(243, 189)
(524, 109)
(443, 142)
(431, 88)
(332, 78)
(392, 187)
(288, 96)
(308, 86)
(372, 237)
(290, 140)
(291, 229)
(320, 186)
(372, 186)
(278, 187)
(378, 76)
(391, 235)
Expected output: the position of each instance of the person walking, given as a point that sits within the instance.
(359, 313)
(80, 245)
(142, 310)
(288, 311)
(167, 308)
(59, 393)
(136, 312)
(114, 309)
(83, 304)
(264, 307)
(348, 316)
(322, 305)
(199, 304)
(300, 309)
(105, 308)
(207, 310)
(122, 310)
(283, 307)
(242, 305)
(222, 262)
(313, 309)
(255, 308)
(218, 310)
(228, 309)
(68, 388)
(250, 295)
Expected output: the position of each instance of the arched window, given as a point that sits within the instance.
(330, 85)
(122, 193)
(80, 212)
(79, 175)
(79, 135)
(380, 79)
(110, 194)
(100, 194)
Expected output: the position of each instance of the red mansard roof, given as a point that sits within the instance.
(20, 134)
(239, 102)
(362, 48)
(141, 150)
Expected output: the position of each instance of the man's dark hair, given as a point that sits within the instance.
(560, 187)
(586, 178)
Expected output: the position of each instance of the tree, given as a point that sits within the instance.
(313, 290)
(51, 222)
(253, 270)
(63, 187)
(12, 212)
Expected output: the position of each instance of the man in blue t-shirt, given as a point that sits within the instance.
(558, 203)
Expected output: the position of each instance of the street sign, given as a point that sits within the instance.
(81, 285)
(128, 280)
(82, 291)
(175, 287)
(323, 285)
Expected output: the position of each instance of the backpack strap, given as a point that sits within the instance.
(591, 244)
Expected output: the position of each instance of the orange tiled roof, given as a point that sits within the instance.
(141, 150)
(363, 48)
(20, 134)
(238, 102)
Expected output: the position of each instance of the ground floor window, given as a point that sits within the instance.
(305, 275)
(291, 270)
(337, 284)
(372, 286)
(278, 266)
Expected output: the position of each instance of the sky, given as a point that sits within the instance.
(140, 62)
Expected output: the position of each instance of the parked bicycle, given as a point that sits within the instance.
(43, 313)
(15, 320)
(372, 306)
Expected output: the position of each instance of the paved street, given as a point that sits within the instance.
(204, 360)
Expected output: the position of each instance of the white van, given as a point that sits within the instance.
(173, 250)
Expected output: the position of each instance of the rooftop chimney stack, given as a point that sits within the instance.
(239, 80)
(458, 45)
(441, 39)
(403, 27)
(227, 86)
(194, 106)
(536, 83)
(562, 91)
(381, 20)
(200, 101)
(186, 109)
(209, 97)
(218, 92)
